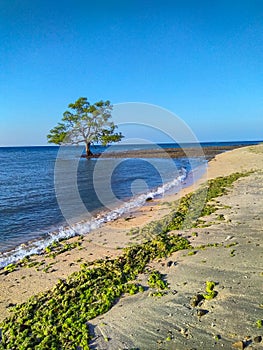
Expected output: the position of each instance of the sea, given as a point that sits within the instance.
(49, 193)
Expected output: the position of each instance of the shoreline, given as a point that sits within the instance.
(101, 217)
(109, 240)
(208, 153)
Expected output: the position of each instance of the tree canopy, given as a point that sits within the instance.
(86, 123)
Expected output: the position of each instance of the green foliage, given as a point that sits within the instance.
(58, 134)
(85, 123)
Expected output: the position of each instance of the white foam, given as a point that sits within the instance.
(84, 227)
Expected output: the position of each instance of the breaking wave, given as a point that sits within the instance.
(84, 227)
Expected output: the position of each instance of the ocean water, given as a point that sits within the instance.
(48, 193)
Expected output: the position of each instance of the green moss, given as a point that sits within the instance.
(57, 248)
(208, 245)
(11, 267)
(210, 292)
(210, 285)
(34, 264)
(192, 252)
(210, 295)
(58, 318)
(47, 268)
(232, 253)
(187, 212)
(259, 323)
(156, 280)
(231, 244)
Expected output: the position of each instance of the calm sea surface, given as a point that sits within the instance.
(43, 190)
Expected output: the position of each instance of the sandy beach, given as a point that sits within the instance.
(232, 259)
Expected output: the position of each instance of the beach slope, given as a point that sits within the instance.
(227, 250)
(224, 266)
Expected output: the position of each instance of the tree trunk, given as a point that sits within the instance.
(88, 151)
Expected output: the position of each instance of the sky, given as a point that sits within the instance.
(201, 60)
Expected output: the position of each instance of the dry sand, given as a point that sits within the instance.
(144, 322)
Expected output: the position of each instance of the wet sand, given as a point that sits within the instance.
(170, 322)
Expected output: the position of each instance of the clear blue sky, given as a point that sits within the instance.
(202, 60)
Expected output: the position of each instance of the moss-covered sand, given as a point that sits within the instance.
(205, 228)
(58, 318)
